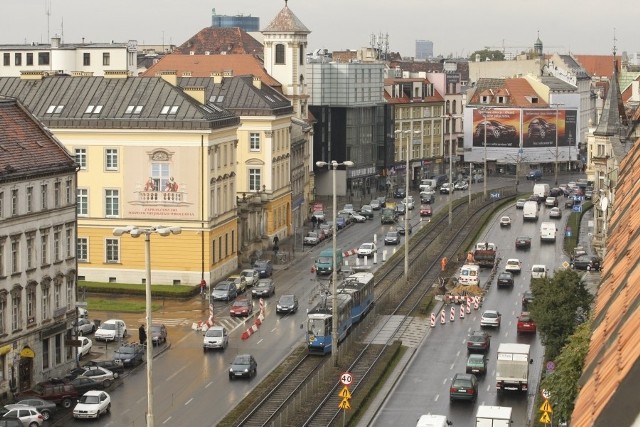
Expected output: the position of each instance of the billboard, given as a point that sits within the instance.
(500, 127)
(539, 128)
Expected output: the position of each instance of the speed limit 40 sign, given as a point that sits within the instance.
(346, 378)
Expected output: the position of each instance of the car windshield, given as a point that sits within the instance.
(214, 333)
(476, 358)
(90, 400)
(392, 234)
(263, 284)
(490, 315)
(476, 338)
(461, 382)
(505, 276)
(241, 304)
(261, 264)
(222, 287)
(367, 246)
(127, 350)
(156, 329)
(325, 259)
(242, 360)
(524, 317)
(286, 299)
(108, 326)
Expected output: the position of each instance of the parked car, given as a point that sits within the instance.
(111, 330)
(356, 217)
(287, 304)
(114, 366)
(92, 404)
(520, 203)
(348, 208)
(242, 306)
(158, 334)
(131, 354)
(28, 415)
(58, 391)
(534, 175)
(539, 129)
(241, 284)
(319, 216)
(425, 210)
(586, 262)
(99, 375)
(224, 291)
(505, 221)
(476, 364)
(84, 326)
(251, 276)
(85, 346)
(264, 288)
(463, 387)
(478, 341)
(45, 407)
(311, 239)
(375, 204)
(490, 318)
(263, 267)
(215, 337)
(392, 238)
(525, 323)
(513, 265)
(367, 250)
(366, 211)
(327, 229)
(84, 384)
(555, 213)
(243, 366)
(523, 242)
(505, 279)
(341, 222)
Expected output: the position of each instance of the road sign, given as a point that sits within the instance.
(346, 378)
(344, 404)
(551, 366)
(546, 407)
(565, 265)
(546, 394)
(345, 393)
(577, 208)
(495, 195)
(545, 419)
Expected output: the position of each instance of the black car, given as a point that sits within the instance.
(392, 238)
(527, 299)
(464, 387)
(478, 341)
(263, 267)
(556, 192)
(505, 279)
(400, 193)
(130, 354)
(541, 129)
(243, 366)
(114, 366)
(586, 262)
(494, 130)
(84, 384)
(523, 242)
(158, 334)
(288, 303)
(401, 230)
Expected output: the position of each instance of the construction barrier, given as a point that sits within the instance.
(452, 316)
(443, 318)
(433, 320)
(462, 311)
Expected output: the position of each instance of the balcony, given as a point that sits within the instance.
(161, 198)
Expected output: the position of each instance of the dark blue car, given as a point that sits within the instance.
(341, 222)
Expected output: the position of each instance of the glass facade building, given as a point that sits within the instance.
(247, 23)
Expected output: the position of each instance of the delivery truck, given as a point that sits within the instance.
(512, 367)
(494, 416)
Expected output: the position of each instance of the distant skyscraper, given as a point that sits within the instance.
(424, 49)
(247, 23)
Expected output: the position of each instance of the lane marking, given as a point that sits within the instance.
(167, 420)
(188, 401)
(275, 328)
(261, 339)
(170, 377)
(208, 385)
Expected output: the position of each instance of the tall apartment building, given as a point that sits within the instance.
(424, 49)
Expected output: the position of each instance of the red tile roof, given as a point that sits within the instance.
(217, 40)
(598, 65)
(518, 91)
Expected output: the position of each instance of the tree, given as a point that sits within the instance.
(560, 304)
(563, 382)
(487, 55)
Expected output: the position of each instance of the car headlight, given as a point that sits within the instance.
(279, 307)
(231, 370)
(246, 370)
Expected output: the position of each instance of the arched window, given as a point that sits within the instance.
(280, 54)
(447, 107)
(454, 106)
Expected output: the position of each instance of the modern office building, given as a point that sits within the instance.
(424, 49)
(247, 22)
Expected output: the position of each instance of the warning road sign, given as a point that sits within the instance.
(345, 393)
(344, 404)
(546, 407)
(545, 419)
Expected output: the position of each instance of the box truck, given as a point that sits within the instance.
(512, 367)
(493, 416)
(530, 211)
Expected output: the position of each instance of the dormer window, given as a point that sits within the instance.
(93, 109)
(502, 100)
(485, 99)
(55, 109)
(169, 109)
(133, 109)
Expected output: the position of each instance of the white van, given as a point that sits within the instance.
(530, 211)
(548, 231)
(433, 421)
(542, 191)
(538, 271)
(428, 184)
(469, 275)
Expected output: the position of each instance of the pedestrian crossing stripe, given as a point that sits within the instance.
(546, 407)
(168, 322)
(344, 404)
(545, 419)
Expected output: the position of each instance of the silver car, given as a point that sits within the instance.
(215, 337)
(491, 318)
(28, 415)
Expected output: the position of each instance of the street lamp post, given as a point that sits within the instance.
(147, 231)
(556, 105)
(334, 271)
(451, 118)
(483, 111)
(406, 205)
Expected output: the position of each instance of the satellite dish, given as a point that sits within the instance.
(604, 203)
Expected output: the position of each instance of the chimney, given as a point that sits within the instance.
(55, 42)
(31, 75)
(257, 82)
(116, 74)
(227, 73)
(195, 92)
(170, 76)
(186, 74)
(217, 77)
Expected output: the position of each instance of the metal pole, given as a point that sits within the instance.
(334, 273)
(147, 261)
(406, 214)
(470, 181)
(556, 168)
(450, 168)
(486, 177)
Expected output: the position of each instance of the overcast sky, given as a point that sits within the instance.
(455, 27)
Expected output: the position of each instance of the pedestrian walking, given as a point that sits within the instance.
(203, 286)
(142, 335)
(314, 221)
(276, 239)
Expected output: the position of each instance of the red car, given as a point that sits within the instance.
(525, 323)
(425, 210)
(241, 307)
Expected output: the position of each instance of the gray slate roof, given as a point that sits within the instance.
(286, 22)
(557, 85)
(609, 124)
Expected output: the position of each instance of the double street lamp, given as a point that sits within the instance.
(333, 165)
(135, 231)
(451, 118)
(406, 204)
(484, 111)
(556, 105)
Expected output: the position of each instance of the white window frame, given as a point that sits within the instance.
(111, 159)
(29, 199)
(44, 196)
(82, 201)
(254, 141)
(112, 193)
(68, 233)
(44, 248)
(107, 256)
(46, 302)
(81, 157)
(252, 173)
(82, 245)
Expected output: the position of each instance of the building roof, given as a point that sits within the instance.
(557, 85)
(220, 41)
(597, 65)
(70, 102)
(23, 139)
(573, 65)
(204, 65)
(518, 91)
(611, 372)
(286, 22)
(613, 115)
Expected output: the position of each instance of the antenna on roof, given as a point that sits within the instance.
(47, 11)
(614, 42)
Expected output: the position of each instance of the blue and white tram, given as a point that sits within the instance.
(360, 286)
(319, 323)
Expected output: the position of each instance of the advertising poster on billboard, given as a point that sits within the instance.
(501, 126)
(540, 127)
(163, 184)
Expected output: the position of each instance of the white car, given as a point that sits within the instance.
(84, 326)
(409, 202)
(215, 337)
(348, 208)
(111, 330)
(505, 221)
(513, 265)
(251, 276)
(85, 346)
(92, 404)
(356, 217)
(367, 249)
(490, 318)
(99, 374)
(27, 414)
